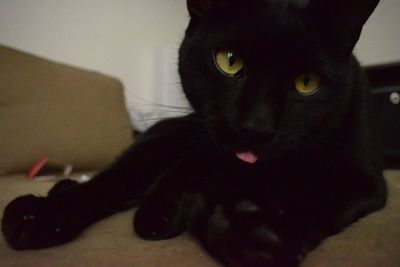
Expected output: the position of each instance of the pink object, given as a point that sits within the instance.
(247, 156)
(34, 170)
(46, 169)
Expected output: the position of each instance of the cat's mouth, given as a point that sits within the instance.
(247, 156)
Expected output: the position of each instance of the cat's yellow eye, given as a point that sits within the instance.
(307, 84)
(228, 62)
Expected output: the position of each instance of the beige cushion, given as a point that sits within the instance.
(64, 113)
(373, 241)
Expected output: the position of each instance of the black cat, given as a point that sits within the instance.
(278, 154)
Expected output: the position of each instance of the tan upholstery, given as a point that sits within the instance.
(372, 242)
(64, 113)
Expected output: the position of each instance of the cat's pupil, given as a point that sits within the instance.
(307, 80)
(232, 58)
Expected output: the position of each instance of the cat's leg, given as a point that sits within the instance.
(31, 222)
(165, 210)
(249, 232)
(238, 233)
(61, 186)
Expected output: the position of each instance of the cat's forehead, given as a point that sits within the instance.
(266, 6)
(264, 15)
(274, 31)
(287, 3)
(276, 34)
(263, 27)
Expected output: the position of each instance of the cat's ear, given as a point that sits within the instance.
(201, 9)
(341, 21)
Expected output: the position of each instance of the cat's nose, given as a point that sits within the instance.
(255, 132)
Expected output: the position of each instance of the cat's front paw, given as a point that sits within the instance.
(31, 222)
(158, 219)
(240, 237)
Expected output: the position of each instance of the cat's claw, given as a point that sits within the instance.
(30, 222)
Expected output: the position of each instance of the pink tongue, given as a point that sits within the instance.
(247, 156)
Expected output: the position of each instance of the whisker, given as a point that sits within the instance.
(322, 139)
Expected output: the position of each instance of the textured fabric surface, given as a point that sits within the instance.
(370, 242)
(64, 113)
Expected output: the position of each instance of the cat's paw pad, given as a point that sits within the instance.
(158, 221)
(29, 222)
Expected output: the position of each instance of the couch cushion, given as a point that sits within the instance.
(63, 113)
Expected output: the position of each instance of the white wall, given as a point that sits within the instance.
(126, 38)
(380, 41)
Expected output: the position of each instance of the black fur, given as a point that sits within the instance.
(318, 167)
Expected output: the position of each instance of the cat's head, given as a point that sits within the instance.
(269, 72)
